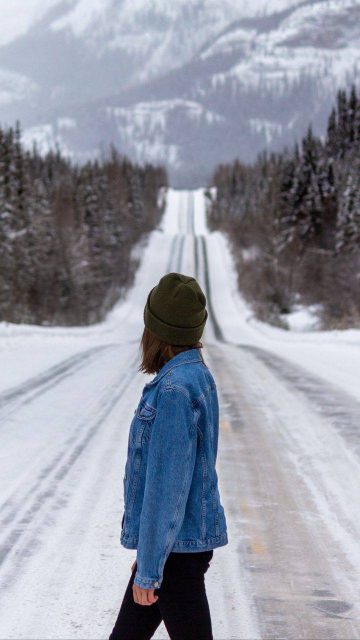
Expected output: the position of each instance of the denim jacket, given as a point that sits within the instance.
(171, 495)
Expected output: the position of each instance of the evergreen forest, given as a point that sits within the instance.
(67, 232)
(293, 221)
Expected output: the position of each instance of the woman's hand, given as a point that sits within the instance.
(143, 596)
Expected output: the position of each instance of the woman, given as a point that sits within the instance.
(173, 515)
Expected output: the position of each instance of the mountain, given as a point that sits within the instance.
(76, 50)
(190, 83)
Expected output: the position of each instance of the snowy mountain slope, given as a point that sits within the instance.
(164, 35)
(315, 38)
(81, 49)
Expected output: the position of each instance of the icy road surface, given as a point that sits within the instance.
(288, 461)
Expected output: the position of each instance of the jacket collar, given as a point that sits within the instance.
(184, 357)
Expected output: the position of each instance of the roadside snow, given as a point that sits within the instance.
(302, 318)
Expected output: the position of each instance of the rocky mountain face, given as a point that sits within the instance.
(190, 83)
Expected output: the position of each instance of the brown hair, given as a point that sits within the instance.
(155, 353)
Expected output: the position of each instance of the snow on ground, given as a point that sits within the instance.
(288, 460)
(302, 318)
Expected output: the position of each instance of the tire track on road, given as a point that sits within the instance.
(39, 497)
(336, 406)
(212, 315)
(24, 393)
(177, 245)
(191, 214)
(180, 257)
(173, 250)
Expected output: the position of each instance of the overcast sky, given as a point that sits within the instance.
(17, 16)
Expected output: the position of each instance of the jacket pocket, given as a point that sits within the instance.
(145, 417)
(145, 411)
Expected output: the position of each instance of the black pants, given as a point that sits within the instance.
(182, 603)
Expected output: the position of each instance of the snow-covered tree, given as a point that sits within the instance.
(66, 232)
(348, 220)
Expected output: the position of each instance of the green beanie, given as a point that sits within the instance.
(175, 310)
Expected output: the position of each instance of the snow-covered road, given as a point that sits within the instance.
(288, 462)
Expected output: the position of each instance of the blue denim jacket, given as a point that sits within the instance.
(171, 496)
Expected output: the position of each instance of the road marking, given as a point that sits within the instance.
(225, 425)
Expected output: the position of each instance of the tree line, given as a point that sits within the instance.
(293, 218)
(67, 231)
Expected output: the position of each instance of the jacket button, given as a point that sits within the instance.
(156, 584)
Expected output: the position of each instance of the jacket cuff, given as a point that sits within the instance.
(147, 583)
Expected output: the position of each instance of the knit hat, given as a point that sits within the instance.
(175, 310)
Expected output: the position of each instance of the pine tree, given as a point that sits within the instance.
(331, 141)
(352, 108)
(286, 218)
(306, 193)
(7, 219)
(343, 135)
(348, 222)
(357, 124)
